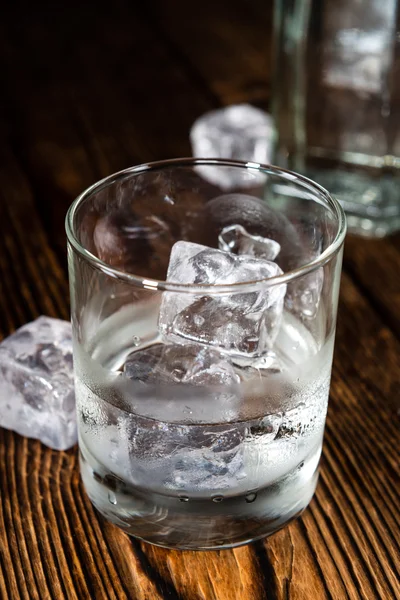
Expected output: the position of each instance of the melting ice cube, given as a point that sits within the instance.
(244, 323)
(36, 388)
(245, 224)
(210, 393)
(175, 363)
(241, 132)
(236, 239)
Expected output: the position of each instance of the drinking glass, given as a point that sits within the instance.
(336, 103)
(203, 327)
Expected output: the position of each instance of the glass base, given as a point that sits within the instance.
(200, 523)
(372, 204)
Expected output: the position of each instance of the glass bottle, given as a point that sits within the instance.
(336, 103)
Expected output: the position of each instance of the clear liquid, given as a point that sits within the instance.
(233, 476)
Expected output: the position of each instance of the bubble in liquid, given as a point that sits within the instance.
(136, 340)
(112, 498)
(199, 320)
(217, 498)
(251, 497)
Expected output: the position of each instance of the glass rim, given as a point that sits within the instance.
(214, 289)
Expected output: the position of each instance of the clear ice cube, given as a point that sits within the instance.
(37, 388)
(304, 294)
(236, 239)
(258, 219)
(210, 394)
(243, 324)
(186, 458)
(240, 132)
(228, 214)
(175, 363)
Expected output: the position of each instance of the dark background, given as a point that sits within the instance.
(89, 89)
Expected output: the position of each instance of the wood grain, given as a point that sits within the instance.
(87, 91)
(375, 266)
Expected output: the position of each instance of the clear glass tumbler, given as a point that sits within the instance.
(336, 103)
(203, 327)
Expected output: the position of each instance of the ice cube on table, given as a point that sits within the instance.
(162, 367)
(240, 132)
(242, 324)
(236, 239)
(37, 396)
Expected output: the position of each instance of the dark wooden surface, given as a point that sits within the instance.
(90, 89)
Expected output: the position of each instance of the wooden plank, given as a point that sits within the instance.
(227, 44)
(375, 265)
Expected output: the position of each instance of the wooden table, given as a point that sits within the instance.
(90, 90)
